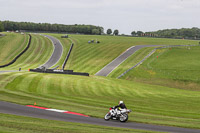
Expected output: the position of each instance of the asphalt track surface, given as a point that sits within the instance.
(15, 109)
(57, 53)
(120, 59)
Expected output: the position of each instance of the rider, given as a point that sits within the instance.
(119, 108)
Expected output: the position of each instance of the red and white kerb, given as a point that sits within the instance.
(57, 110)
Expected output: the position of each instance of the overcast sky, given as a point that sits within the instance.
(124, 15)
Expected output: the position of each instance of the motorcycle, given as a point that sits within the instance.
(122, 116)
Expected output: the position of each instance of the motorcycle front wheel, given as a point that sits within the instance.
(123, 118)
(107, 116)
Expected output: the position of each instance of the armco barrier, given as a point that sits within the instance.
(59, 71)
(63, 66)
(29, 42)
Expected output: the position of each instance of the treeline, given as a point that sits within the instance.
(1, 27)
(30, 26)
(187, 33)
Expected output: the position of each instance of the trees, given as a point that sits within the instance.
(139, 33)
(109, 31)
(191, 33)
(29, 26)
(95, 32)
(133, 33)
(116, 32)
(1, 27)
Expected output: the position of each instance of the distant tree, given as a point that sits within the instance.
(116, 32)
(139, 33)
(95, 32)
(109, 31)
(102, 30)
(1, 27)
(133, 33)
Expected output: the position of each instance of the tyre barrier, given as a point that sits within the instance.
(56, 71)
(13, 61)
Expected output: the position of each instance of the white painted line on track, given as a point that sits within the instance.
(56, 110)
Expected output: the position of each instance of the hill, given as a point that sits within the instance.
(177, 67)
(92, 57)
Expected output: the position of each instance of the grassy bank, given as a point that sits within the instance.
(174, 67)
(93, 57)
(11, 45)
(94, 95)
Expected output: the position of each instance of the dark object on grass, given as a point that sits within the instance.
(65, 36)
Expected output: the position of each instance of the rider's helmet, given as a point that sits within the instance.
(120, 102)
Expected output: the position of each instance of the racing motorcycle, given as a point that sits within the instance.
(122, 116)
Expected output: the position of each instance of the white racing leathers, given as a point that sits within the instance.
(119, 111)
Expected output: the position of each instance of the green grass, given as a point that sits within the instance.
(93, 57)
(38, 53)
(176, 67)
(11, 45)
(94, 95)
(157, 102)
(19, 124)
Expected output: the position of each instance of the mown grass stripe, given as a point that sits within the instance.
(22, 43)
(11, 45)
(30, 59)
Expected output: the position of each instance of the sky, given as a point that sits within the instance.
(124, 15)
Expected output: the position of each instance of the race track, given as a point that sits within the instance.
(10, 108)
(120, 59)
(57, 53)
